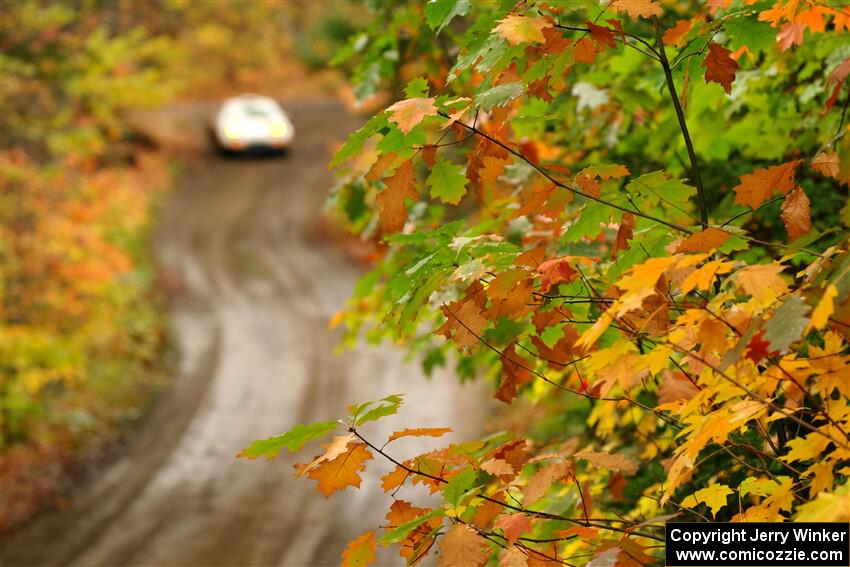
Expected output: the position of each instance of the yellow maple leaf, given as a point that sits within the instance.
(703, 277)
(806, 448)
(827, 507)
(824, 309)
(713, 496)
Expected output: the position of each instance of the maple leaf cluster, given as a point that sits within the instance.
(632, 220)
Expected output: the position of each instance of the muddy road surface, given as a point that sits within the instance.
(255, 358)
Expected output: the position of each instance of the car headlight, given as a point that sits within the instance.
(231, 132)
(279, 129)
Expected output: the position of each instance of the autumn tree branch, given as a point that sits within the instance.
(671, 87)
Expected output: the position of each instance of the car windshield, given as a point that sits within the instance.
(258, 109)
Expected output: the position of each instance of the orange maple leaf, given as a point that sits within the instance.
(638, 8)
(464, 323)
(463, 547)
(381, 165)
(796, 213)
(514, 525)
(540, 481)
(610, 461)
(756, 187)
(585, 50)
(342, 471)
(391, 201)
(514, 374)
(827, 163)
(421, 432)
(704, 241)
(674, 35)
(720, 67)
(555, 271)
(394, 478)
(601, 35)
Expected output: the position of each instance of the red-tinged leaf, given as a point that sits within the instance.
(677, 33)
(513, 525)
(394, 479)
(421, 432)
(429, 154)
(391, 201)
(513, 452)
(638, 8)
(554, 272)
(616, 485)
(602, 35)
(758, 348)
(515, 374)
(839, 74)
(521, 29)
(556, 42)
(720, 67)
(704, 241)
(790, 35)
(796, 213)
(584, 51)
(755, 188)
(360, 552)
(407, 114)
(624, 234)
(830, 102)
(617, 25)
(463, 547)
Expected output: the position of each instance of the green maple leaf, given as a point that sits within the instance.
(293, 440)
(439, 13)
(447, 182)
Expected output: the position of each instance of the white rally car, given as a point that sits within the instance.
(252, 122)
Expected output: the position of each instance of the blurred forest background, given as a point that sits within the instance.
(84, 339)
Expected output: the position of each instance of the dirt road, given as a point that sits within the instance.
(255, 359)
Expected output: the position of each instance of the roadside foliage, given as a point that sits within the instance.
(83, 331)
(631, 218)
